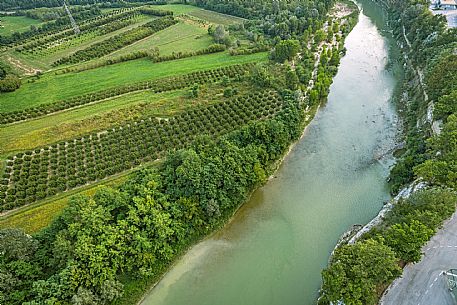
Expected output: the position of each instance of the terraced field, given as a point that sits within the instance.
(67, 102)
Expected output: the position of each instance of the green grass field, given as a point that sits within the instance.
(214, 17)
(50, 87)
(11, 24)
(210, 16)
(181, 37)
(35, 217)
(177, 9)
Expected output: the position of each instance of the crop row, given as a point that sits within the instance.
(153, 55)
(45, 171)
(159, 85)
(117, 42)
(89, 26)
(101, 24)
(73, 39)
(46, 28)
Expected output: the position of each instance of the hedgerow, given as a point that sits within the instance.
(114, 43)
(154, 55)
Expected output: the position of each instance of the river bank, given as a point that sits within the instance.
(273, 250)
(400, 232)
(308, 114)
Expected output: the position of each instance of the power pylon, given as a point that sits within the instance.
(72, 20)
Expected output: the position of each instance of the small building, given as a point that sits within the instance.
(445, 4)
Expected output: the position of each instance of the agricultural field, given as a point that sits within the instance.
(12, 24)
(59, 101)
(50, 87)
(209, 16)
(216, 18)
(182, 37)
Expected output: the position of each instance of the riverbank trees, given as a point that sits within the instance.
(431, 82)
(370, 262)
(141, 227)
(359, 272)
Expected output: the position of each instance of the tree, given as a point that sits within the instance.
(446, 105)
(220, 35)
(194, 91)
(16, 245)
(229, 92)
(407, 239)
(285, 50)
(291, 79)
(17, 268)
(319, 36)
(355, 272)
(441, 168)
(10, 83)
(260, 77)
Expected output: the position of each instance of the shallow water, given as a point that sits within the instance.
(273, 251)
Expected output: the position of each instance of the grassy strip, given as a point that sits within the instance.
(39, 215)
(67, 124)
(51, 88)
(210, 16)
(218, 18)
(117, 42)
(181, 37)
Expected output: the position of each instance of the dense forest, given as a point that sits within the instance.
(358, 273)
(280, 19)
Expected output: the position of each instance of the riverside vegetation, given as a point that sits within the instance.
(359, 273)
(214, 128)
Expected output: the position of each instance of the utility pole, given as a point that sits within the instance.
(72, 20)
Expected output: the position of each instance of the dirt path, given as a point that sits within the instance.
(21, 66)
(340, 10)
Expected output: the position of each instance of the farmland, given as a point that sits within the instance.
(182, 37)
(51, 88)
(12, 24)
(84, 101)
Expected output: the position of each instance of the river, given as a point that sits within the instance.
(274, 249)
